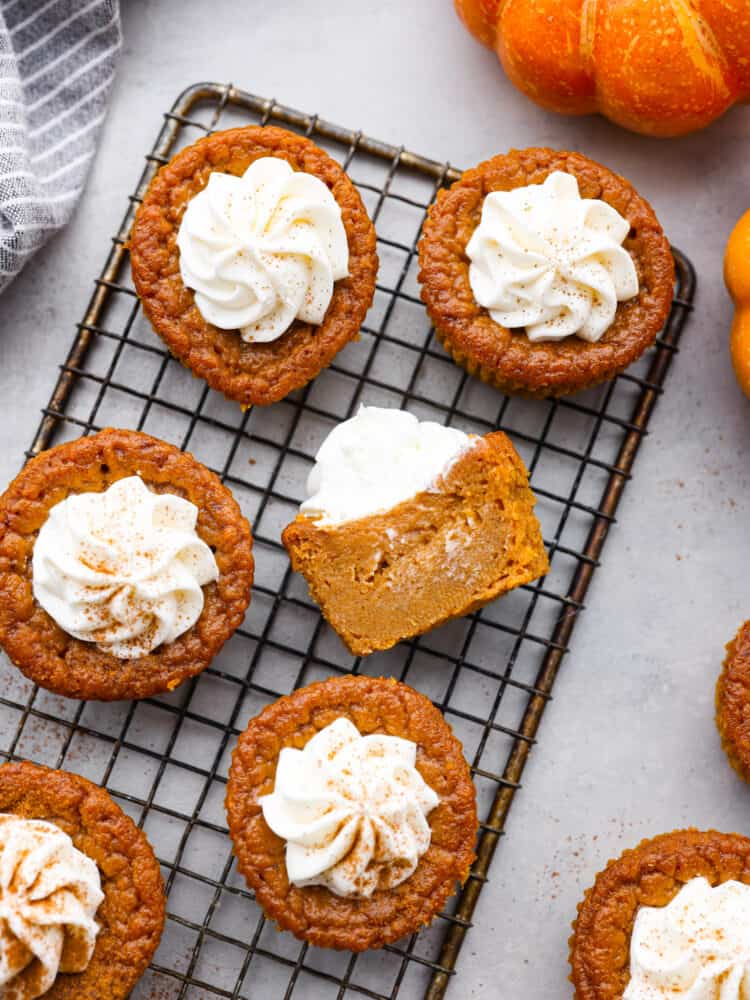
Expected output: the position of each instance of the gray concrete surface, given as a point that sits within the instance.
(628, 747)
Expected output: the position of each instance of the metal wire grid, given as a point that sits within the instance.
(165, 759)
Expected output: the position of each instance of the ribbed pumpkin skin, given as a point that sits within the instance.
(660, 67)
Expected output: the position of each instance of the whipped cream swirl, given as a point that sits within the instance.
(123, 568)
(263, 249)
(352, 810)
(376, 460)
(549, 261)
(49, 894)
(695, 948)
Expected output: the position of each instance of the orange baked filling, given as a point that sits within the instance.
(439, 555)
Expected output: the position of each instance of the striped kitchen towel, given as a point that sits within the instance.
(57, 63)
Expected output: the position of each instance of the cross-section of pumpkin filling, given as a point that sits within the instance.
(409, 524)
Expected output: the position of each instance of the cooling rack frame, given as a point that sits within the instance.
(214, 100)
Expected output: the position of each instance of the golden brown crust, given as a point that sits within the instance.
(248, 373)
(37, 645)
(131, 916)
(733, 702)
(507, 358)
(313, 913)
(437, 556)
(649, 875)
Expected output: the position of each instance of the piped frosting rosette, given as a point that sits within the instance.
(353, 810)
(49, 895)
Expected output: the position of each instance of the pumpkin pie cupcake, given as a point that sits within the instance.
(255, 260)
(669, 919)
(125, 565)
(408, 525)
(81, 893)
(352, 811)
(733, 702)
(544, 272)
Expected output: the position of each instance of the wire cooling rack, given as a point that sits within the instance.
(165, 759)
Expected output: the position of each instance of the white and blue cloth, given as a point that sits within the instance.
(57, 64)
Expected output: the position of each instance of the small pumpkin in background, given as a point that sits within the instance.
(737, 276)
(660, 67)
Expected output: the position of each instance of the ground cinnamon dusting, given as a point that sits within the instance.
(649, 875)
(249, 373)
(507, 358)
(131, 917)
(33, 640)
(314, 913)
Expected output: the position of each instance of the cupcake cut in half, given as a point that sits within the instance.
(255, 260)
(544, 272)
(81, 892)
(352, 811)
(411, 524)
(125, 565)
(668, 920)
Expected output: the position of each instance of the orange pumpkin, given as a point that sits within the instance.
(737, 276)
(661, 67)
